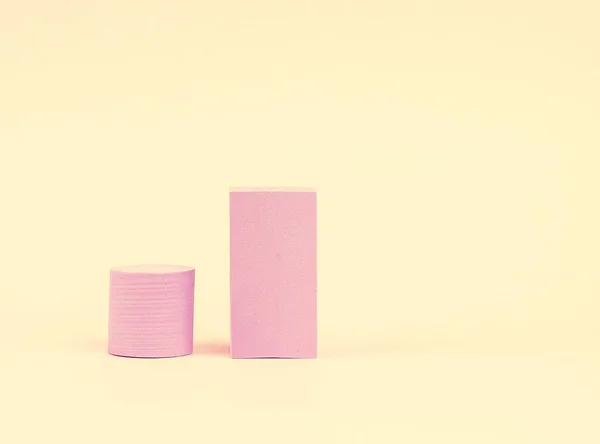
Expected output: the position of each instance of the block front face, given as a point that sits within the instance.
(273, 274)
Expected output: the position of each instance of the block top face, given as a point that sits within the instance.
(152, 269)
(271, 190)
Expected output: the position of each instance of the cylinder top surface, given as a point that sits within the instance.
(152, 269)
(271, 190)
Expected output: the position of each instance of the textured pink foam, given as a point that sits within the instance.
(151, 311)
(273, 279)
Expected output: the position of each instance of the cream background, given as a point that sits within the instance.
(454, 146)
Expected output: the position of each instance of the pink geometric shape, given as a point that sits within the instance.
(151, 311)
(273, 273)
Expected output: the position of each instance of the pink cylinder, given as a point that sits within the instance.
(151, 311)
(273, 273)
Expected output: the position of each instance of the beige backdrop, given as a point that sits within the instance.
(454, 146)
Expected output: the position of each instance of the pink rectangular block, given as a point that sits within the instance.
(273, 275)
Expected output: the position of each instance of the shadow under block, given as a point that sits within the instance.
(151, 311)
(273, 273)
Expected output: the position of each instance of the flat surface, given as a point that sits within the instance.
(453, 145)
(412, 388)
